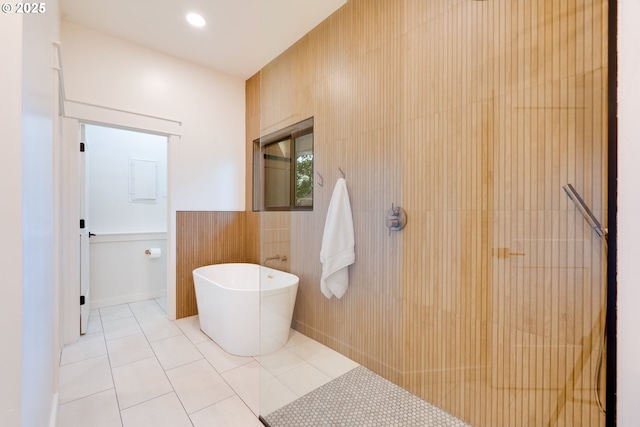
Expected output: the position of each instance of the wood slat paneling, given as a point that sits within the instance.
(204, 238)
(471, 115)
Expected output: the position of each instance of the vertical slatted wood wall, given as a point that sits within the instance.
(252, 126)
(204, 238)
(471, 115)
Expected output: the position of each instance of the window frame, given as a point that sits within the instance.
(291, 133)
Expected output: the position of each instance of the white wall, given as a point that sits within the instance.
(628, 253)
(208, 166)
(108, 153)
(39, 322)
(122, 273)
(11, 224)
(29, 336)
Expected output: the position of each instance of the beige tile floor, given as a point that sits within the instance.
(135, 368)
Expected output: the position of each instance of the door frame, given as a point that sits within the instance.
(77, 113)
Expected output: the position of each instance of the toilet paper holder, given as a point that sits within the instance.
(153, 253)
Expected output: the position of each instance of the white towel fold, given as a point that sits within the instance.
(338, 243)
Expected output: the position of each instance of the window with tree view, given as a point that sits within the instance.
(283, 169)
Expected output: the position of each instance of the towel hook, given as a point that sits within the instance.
(341, 172)
(321, 183)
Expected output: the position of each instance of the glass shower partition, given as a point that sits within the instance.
(472, 116)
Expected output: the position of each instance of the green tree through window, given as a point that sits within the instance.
(304, 180)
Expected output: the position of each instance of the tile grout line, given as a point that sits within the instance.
(115, 393)
(164, 371)
(186, 329)
(182, 332)
(222, 377)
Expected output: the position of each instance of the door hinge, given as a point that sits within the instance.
(82, 223)
(81, 299)
(82, 147)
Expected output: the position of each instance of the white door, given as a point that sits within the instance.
(85, 235)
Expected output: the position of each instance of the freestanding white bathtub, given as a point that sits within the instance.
(245, 308)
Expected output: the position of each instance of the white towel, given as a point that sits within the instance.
(338, 243)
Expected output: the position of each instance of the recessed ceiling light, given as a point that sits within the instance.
(196, 20)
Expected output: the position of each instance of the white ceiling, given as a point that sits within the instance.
(241, 36)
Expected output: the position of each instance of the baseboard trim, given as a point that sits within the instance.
(53, 418)
(125, 299)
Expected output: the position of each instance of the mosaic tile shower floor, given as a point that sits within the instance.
(361, 398)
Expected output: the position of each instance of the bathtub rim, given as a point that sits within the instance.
(295, 280)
